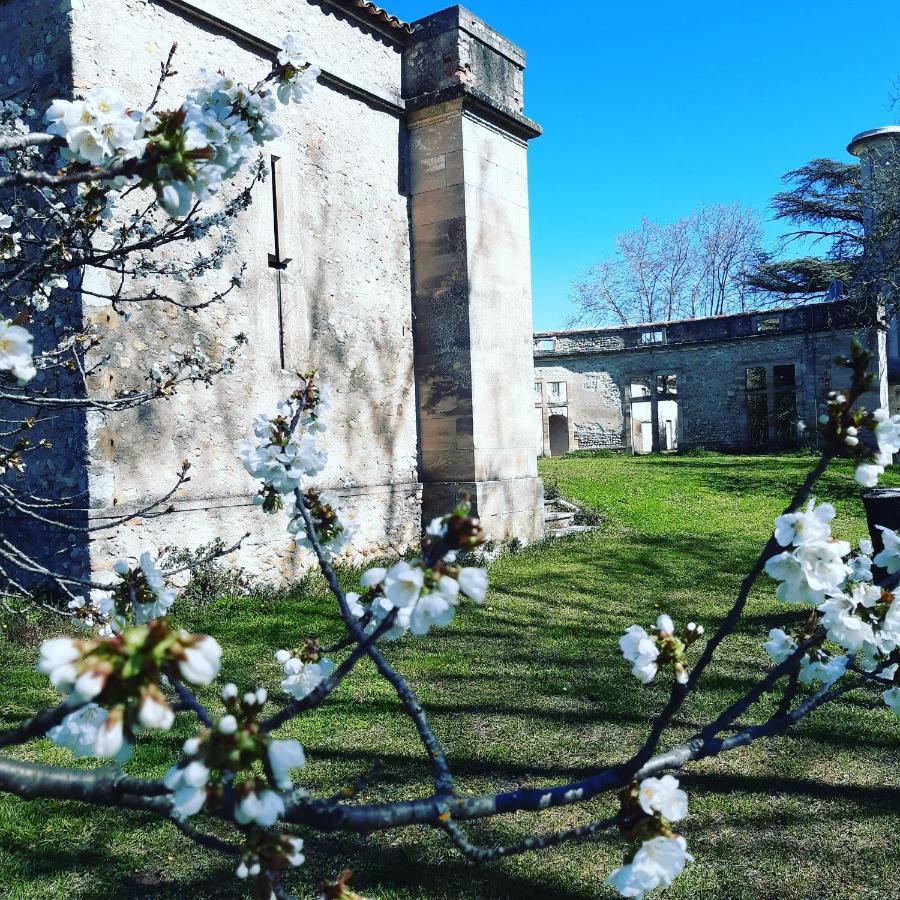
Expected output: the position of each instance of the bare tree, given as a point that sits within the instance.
(694, 266)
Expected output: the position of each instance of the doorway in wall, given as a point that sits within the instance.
(654, 413)
(559, 435)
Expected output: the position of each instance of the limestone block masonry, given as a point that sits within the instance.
(471, 272)
(405, 215)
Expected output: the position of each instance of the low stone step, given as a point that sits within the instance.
(570, 529)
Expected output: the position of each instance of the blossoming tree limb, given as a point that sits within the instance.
(128, 670)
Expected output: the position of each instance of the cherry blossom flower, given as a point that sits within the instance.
(474, 583)
(892, 699)
(303, 678)
(283, 757)
(264, 809)
(16, 352)
(806, 527)
(9, 240)
(402, 584)
(889, 558)
(640, 648)
(79, 732)
(780, 645)
(827, 671)
(188, 784)
(656, 864)
(200, 664)
(663, 796)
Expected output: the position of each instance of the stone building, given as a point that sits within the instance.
(402, 205)
(726, 382)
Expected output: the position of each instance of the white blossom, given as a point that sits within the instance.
(665, 625)
(201, 662)
(403, 583)
(97, 128)
(16, 352)
(867, 474)
(188, 784)
(431, 610)
(110, 742)
(640, 648)
(372, 577)
(809, 526)
(656, 864)
(300, 75)
(264, 809)
(295, 856)
(827, 672)
(9, 240)
(887, 434)
(227, 724)
(474, 583)
(889, 558)
(663, 796)
(80, 732)
(154, 712)
(303, 678)
(892, 699)
(283, 757)
(779, 646)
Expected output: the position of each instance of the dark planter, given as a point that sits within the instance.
(882, 508)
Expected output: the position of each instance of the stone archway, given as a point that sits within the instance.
(559, 435)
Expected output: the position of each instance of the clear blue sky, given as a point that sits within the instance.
(651, 108)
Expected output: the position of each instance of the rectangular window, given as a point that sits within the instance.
(653, 337)
(772, 405)
(756, 379)
(546, 345)
(667, 385)
(768, 324)
(557, 392)
(538, 392)
(640, 387)
(785, 419)
(783, 376)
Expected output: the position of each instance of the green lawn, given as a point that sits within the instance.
(530, 689)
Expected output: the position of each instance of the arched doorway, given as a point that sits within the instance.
(559, 435)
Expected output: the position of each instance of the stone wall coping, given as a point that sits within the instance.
(479, 102)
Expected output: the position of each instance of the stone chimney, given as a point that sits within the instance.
(471, 256)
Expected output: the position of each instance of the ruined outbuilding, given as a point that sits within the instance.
(738, 382)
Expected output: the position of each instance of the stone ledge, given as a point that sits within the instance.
(474, 100)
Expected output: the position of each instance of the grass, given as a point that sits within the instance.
(530, 689)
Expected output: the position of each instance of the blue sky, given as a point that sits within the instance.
(652, 108)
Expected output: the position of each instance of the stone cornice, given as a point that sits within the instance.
(481, 104)
(195, 12)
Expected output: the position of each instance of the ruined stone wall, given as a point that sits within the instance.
(346, 292)
(711, 379)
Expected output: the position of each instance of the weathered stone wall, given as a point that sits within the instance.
(346, 291)
(350, 224)
(710, 373)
